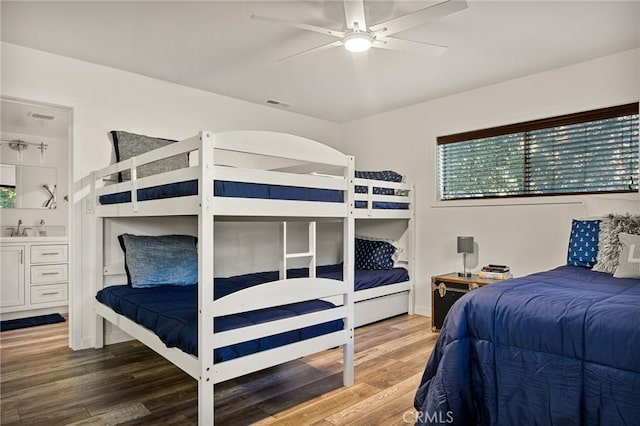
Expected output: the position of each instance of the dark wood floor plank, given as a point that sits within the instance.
(43, 382)
(61, 416)
(115, 417)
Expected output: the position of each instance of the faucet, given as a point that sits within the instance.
(15, 232)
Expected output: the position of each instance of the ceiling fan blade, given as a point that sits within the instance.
(419, 17)
(354, 14)
(410, 46)
(313, 49)
(306, 27)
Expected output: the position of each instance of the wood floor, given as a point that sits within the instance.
(43, 382)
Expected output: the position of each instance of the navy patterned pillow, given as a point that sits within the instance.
(583, 243)
(384, 175)
(370, 254)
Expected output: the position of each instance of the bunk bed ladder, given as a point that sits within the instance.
(310, 253)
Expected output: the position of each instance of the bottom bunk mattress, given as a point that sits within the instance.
(364, 278)
(557, 347)
(171, 311)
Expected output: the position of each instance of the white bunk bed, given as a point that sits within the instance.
(378, 303)
(216, 152)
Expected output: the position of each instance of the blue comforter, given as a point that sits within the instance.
(554, 348)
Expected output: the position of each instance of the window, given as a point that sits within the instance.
(588, 152)
(7, 197)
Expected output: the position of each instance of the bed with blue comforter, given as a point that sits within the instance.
(560, 347)
(171, 310)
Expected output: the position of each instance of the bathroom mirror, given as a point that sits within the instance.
(27, 187)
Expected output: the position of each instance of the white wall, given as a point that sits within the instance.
(528, 235)
(105, 99)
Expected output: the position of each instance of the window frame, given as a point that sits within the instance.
(522, 127)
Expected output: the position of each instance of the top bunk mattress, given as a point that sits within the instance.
(243, 190)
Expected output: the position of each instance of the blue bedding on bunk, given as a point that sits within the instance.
(557, 347)
(243, 190)
(364, 279)
(171, 311)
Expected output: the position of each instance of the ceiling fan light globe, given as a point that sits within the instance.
(358, 42)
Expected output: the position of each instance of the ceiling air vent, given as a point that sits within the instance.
(40, 116)
(276, 102)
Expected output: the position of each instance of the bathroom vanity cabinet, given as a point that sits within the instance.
(34, 275)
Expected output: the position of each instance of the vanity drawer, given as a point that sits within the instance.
(41, 274)
(49, 253)
(49, 293)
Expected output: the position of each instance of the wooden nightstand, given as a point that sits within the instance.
(447, 289)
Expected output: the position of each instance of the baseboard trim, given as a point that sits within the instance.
(422, 310)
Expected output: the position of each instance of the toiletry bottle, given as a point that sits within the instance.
(42, 230)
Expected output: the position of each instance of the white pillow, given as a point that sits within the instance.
(629, 260)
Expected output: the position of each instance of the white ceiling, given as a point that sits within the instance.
(215, 46)
(16, 117)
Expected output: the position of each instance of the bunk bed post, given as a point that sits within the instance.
(283, 247)
(411, 244)
(369, 197)
(313, 262)
(99, 277)
(134, 183)
(348, 273)
(99, 265)
(205, 280)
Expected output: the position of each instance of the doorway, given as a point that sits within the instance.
(35, 207)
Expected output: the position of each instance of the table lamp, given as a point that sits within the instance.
(465, 246)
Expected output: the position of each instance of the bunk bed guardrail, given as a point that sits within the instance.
(397, 195)
(254, 143)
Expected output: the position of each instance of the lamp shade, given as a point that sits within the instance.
(465, 244)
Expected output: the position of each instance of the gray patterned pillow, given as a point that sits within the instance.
(127, 145)
(629, 265)
(609, 245)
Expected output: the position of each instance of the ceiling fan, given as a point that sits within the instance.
(358, 37)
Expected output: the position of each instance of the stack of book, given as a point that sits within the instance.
(495, 272)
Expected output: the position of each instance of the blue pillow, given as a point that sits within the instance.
(152, 261)
(370, 254)
(583, 243)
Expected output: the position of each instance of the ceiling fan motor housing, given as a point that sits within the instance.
(358, 41)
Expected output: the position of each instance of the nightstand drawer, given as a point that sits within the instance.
(49, 253)
(49, 293)
(41, 274)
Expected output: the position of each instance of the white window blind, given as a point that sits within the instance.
(590, 152)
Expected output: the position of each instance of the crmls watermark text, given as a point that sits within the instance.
(436, 417)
